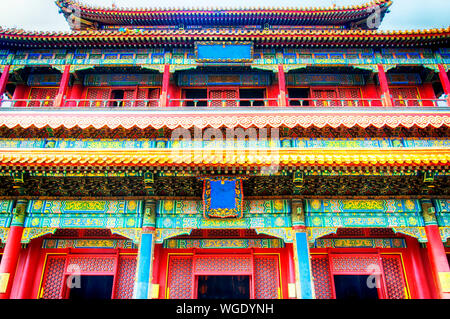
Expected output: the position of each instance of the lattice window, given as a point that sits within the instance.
(43, 94)
(97, 96)
(326, 97)
(144, 94)
(180, 278)
(223, 233)
(92, 264)
(394, 278)
(128, 95)
(53, 278)
(227, 264)
(353, 94)
(96, 233)
(381, 232)
(350, 232)
(229, 95)
(405, 96)
(267, 279)
(66, 233)
(349, 264)
(125, 277)
(321, 277)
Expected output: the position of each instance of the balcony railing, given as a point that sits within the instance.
(234, 102)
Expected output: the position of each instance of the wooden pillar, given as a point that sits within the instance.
(436, 251)
(76, 94)
(12, 249)
(386, 98)
(29, 271)
(445, 82)
(422, 289)
(3, 81)
(282, 98)
(63, 86)
(143, 286)
(165, 86)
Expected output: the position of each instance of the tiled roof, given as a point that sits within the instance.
(89, 16)
(307, 38)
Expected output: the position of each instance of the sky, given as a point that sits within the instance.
(42, 15)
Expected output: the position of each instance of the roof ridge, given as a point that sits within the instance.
(80, 4)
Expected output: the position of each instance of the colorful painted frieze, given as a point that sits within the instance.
(223, 243)
(88, 214)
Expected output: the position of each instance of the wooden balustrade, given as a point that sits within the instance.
(229, 103)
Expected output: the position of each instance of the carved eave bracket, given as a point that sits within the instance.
(416, 232)
(283, 233)
(32, 233)
(317, 232)
(131, 233)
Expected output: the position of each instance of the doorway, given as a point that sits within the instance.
(223, 287)
(93, 287)
(354, 287)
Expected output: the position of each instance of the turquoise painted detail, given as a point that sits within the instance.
(304, 267)
(144, 267)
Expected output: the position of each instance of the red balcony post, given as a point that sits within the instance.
(63, 86)
(165, 85)
(444, 81)
(282, 99)
(4, 80)
(387, 100)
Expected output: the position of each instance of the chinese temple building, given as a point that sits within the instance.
(246, 153)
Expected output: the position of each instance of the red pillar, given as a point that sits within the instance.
(10, 259)
(63, 86)
(4, 80)
(282, 98)
(75, 94)
(438, 258)
(290, 249)
(165, 85)
(422, 290)
(29, 271)
(387, 100)
(445, 82)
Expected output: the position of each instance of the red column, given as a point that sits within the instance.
(75, 94)
(282, 99)
(165, 85)
(12, 249)
(63, 86)
(4, 80)
(290, 249)
(422, 290)
(438, 258)
(29, 271)
(445, 82)
(10, 259)
(387, 100)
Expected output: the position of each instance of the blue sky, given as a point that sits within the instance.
(43, 15)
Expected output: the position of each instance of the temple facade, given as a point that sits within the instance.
(251, 153)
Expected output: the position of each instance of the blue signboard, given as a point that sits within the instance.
(211, 52)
